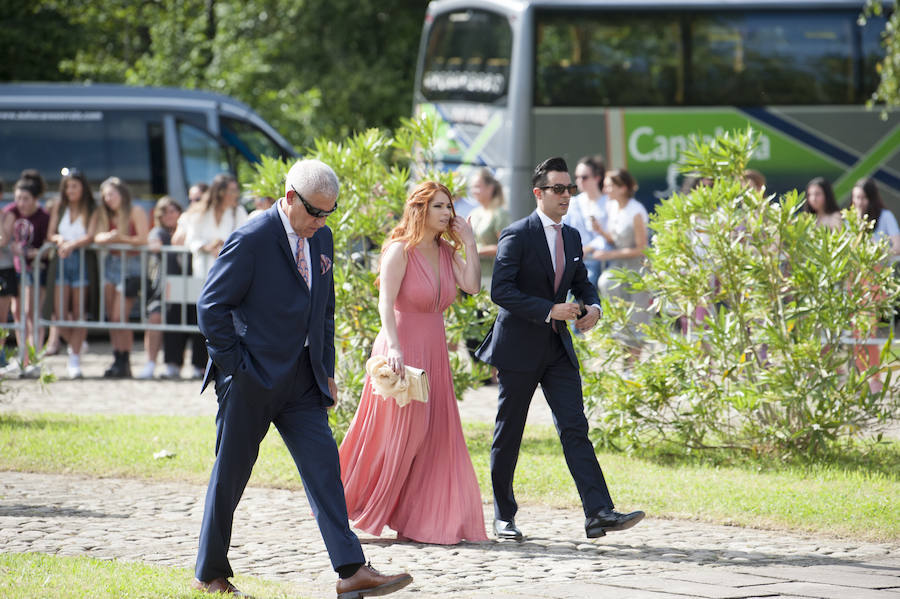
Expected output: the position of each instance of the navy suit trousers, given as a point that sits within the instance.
(561, 385)
(241, 424)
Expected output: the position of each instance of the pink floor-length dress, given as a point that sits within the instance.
(408, 468)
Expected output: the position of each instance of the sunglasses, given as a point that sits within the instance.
(312, 210)
(561, 188)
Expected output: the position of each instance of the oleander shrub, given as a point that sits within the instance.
(770, 368)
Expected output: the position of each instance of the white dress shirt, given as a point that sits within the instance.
(294, 240)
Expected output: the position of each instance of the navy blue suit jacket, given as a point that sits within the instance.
(522, 286)
(255, 310)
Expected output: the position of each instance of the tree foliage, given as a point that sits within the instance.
(769, 369)
(312, 68)
(374, 187)
(888, 92)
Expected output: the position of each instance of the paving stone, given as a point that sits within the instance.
(681, 587)
(825, 591)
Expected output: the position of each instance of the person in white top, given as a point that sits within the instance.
(588, 213)
(203, 228)
(627, 233)
(72, 226)
(868, 203)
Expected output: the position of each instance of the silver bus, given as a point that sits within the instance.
(159, 140)
(516, 81)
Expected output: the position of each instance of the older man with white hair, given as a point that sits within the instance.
(267, 311)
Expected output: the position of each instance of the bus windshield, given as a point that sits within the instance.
(467, 57)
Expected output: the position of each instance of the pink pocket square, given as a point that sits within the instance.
(325, 262)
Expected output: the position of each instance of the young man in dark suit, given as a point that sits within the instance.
(539, 261)
(267, 312)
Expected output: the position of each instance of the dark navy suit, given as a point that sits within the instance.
(256, 311)
(527, 351)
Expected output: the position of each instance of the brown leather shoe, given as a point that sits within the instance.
(369, 582)
(219, 585)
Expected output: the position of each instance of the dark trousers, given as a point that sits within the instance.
(561, 384)
(175, 343)
(241, 424)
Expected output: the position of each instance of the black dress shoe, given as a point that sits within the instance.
(607, 520)
(507, 530)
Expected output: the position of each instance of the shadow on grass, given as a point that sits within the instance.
(865, 457)
(17, 421)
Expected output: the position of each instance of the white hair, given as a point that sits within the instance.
(312, 177)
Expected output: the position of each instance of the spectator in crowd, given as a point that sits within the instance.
(24, 227)
(627, 234)
(820, 201)
(487, 219)
(9, 282)
(123, 223)
(260, 205)
(165, 220)
(866, 199)
(196, 191)
(203, 228)
(754, 179)
(465, 205)
(587, 212)
(72, 226)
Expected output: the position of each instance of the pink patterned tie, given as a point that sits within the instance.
(560, 258)
(302, 266)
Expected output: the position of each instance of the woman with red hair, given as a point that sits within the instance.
(406, 465)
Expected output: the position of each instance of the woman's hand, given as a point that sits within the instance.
(463, 227)
(395, 360)
(106, 237)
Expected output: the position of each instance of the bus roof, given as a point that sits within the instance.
(521, 5)
(115, 96)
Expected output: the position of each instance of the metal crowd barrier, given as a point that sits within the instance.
(175, 288)
(19, 324)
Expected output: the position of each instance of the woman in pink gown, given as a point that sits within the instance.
(408, 467)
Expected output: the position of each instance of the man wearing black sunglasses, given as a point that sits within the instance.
(267, 311)
(539, 261)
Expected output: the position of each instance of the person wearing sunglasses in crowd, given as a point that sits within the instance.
(539, 262)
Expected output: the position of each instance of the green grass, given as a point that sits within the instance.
(32, 575)
(855, 493)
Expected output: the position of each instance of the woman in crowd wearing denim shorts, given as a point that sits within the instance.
(159, 264)
(123, 223)
(72, 225)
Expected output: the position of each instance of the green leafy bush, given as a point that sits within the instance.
(769, 369)
(375, 181)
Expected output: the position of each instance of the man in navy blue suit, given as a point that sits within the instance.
(267, 312)
(539, 261)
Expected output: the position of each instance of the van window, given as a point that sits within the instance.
(247, 144)
(202, 155)
(127, 144)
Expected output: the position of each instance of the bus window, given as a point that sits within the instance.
(467, 57)
(608, 59)
(202, 155)
(756, 59)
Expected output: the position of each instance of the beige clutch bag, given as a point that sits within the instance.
(387, 383)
